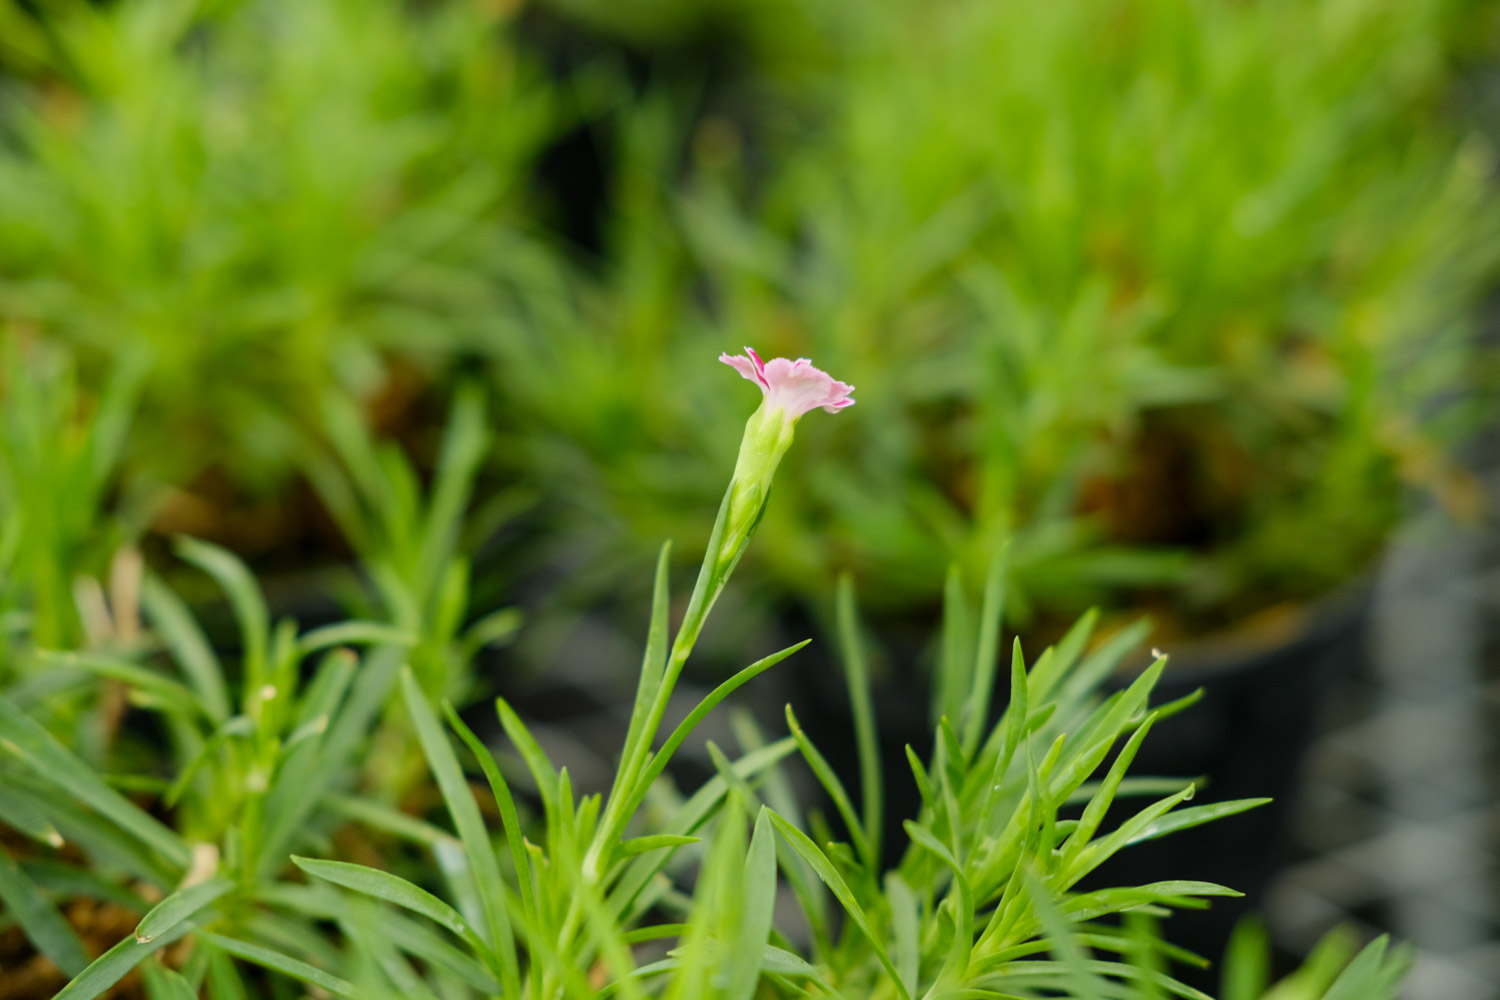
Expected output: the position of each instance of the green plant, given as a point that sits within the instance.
(1179, 307)
(410, 541)
(60, 518)
(253, 756)
(412, 568)
(1333, 969)
(259, 203)
(982, 905)
(273, 750)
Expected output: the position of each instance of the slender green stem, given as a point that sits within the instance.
(712, 575)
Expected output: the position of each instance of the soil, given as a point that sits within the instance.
(25, 975)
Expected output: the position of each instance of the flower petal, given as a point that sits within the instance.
(794, 387)
(748, 368)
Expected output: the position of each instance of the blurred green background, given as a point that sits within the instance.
(1181, 298)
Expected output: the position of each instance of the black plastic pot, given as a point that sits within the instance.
(1248, 738)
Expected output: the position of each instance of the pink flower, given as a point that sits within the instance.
(794, 387)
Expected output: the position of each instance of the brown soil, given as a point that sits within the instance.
(25, 975)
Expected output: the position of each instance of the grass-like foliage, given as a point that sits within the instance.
(252, 755)
(59, 451)
(636, 891)
(595, 900)
(1168, 300)
(257, 750)
(260, 203)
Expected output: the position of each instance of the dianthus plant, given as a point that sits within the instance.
(733, 894)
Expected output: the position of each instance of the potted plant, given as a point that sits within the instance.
(638, 891)
(255, 207)
(1182, 312)
(1070, 345)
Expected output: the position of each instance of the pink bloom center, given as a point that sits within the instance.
(792, 386)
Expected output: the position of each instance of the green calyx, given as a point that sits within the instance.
(768, 435)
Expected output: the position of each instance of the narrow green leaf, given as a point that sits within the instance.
(470, 826)
(98, 837)
(51, 761)
(514, 837)
(224, 982)
(1094, 854)
(148, 686)
(110, 967)
(992, 611)
(24, 815)
(689, 817)
(956, 966)
(840, 889)
(1054, 664)
(1083, 981)
(919, 775)
(1101, 662)
(176, 627)
(284, 964)
(1130, 787)
(707, 705)
(835, 788)
(392, 889)
(957, 656)
(1094, 812)
(861, 702)
(331, 678)
(1141, 945)
(565, 813)
(1008, 735)
(1054, 976)
(317, 765)
(492, 631)
(776, 961)
(653, 933)
(644, 972)
(654, 842)
(1247, 961)
(458, 876)
(371, 943)
(1372, 975)
(1179, 893)
(244, 597)
(1184, 819)
(543, 774)
(61, 879)
(776, 791)
(163, 983)
(716, 906)
(758, 899)
(178, 907)
(458, 463)
(435, 950)
(354, 634)
(608, 935)
(564, 968)
(1092, 740)
(382, 817)
(38, 918)
(1178, 705)
(951, 766)
(653, 664)
(725, 769)
(906, 928)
